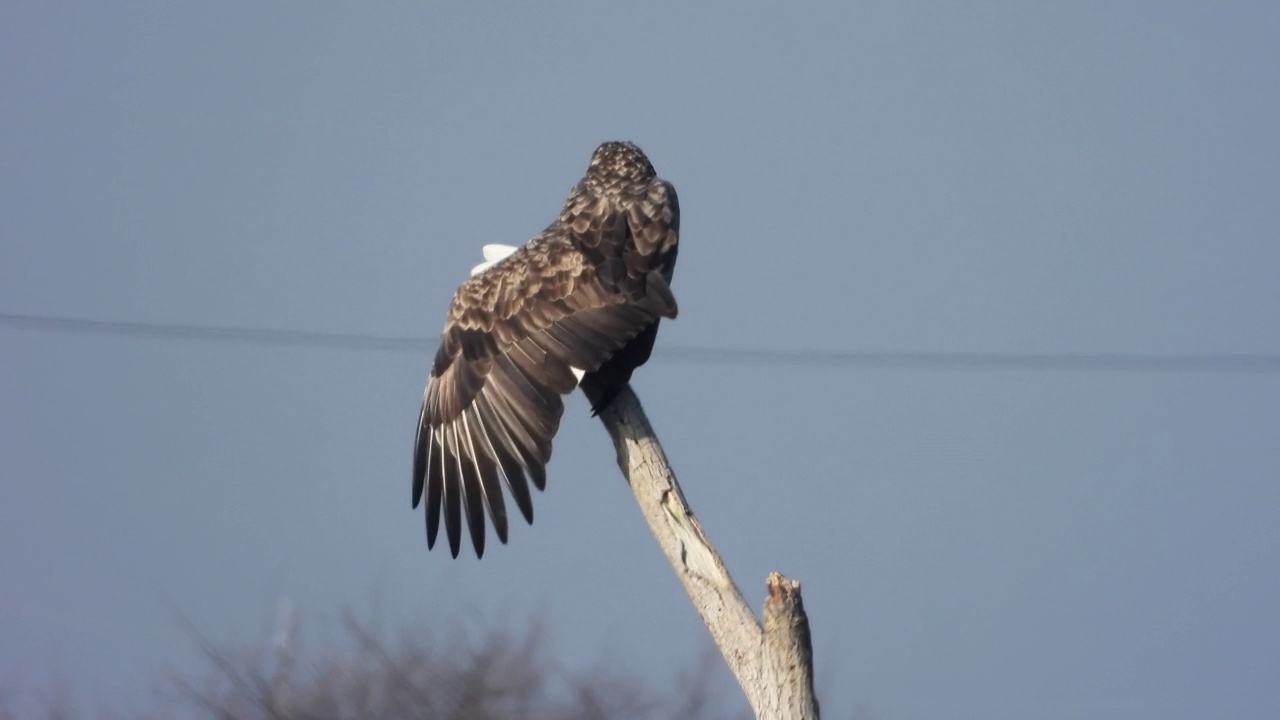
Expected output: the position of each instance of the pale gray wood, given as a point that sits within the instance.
(788, 653)
(773, 664)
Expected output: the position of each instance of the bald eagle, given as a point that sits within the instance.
(577, 305)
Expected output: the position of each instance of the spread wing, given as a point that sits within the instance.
(519, 335)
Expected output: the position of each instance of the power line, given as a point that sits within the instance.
(216, 334)
(1132, 362)
(932, 359)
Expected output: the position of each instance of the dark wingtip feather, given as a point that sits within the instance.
(452, 493)
(538, 474)
(472, 494)
(421, 443)
(433, 527)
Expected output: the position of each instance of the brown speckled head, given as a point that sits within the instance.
(616, 160)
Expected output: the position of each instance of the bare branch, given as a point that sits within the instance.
(772, 672)
(788, 652)
(372, 675)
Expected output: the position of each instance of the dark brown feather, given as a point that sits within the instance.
(586, 293)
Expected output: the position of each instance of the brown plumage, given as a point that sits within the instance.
(587, 294)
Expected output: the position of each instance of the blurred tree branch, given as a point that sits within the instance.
(502, 674)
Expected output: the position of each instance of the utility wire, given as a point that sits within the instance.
(1139, 362)
(213, 333)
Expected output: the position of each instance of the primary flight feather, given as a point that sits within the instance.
(577, 305)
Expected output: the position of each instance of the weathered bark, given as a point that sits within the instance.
(773, 664)
(788, 653)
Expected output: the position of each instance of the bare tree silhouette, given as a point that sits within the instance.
(367, 672)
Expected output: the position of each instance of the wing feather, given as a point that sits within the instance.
(505, 451)
(473, 495)
(451, 489)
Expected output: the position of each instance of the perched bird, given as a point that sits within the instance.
(578, 304)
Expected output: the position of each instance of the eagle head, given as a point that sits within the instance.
(616, 161)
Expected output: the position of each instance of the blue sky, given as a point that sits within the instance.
(968, 177)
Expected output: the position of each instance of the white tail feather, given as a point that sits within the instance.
(493, 254)
(482, 267)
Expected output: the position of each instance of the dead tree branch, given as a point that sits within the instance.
(773, 664)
